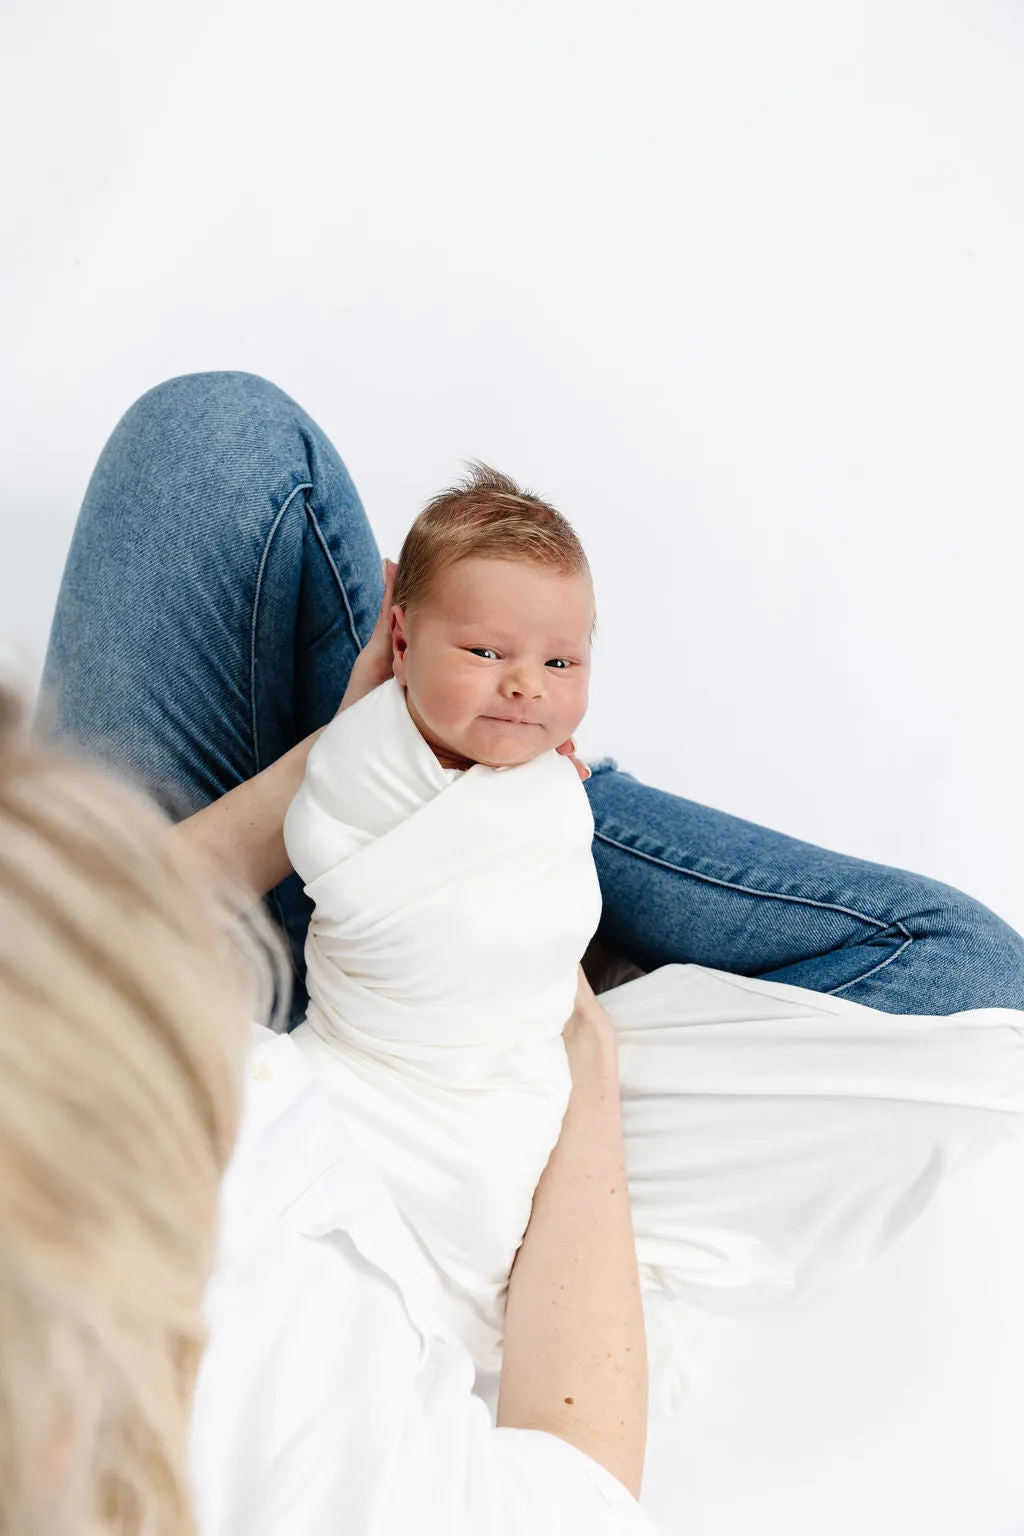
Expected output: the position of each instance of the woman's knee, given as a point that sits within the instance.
(197, 413)
(994, 951)
(976, 958)
(203, 461)
(223, 388)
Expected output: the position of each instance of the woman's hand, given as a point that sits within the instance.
(375, 664)
(589, 1035)
(568, 749)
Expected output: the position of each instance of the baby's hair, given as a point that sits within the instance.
(486, 514)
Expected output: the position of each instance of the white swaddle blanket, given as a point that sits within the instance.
(776, 1138)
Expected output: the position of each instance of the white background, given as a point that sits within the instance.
(738, 286)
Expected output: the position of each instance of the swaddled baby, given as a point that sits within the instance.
(446, 842)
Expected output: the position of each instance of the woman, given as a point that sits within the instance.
(127, 980)
(221, 592)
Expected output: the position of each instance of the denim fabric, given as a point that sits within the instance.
(220, 583)
(690, 883)
(221, 580)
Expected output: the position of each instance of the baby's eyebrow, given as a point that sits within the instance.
(482, 626)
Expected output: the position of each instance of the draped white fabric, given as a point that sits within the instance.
(776, 1139)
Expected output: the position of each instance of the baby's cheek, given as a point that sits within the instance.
(575, 709)
(460, 705)
(469, 696)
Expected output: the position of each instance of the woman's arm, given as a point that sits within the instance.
(575, 1352)
(242, 833)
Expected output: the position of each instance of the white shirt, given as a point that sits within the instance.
(324, 1405)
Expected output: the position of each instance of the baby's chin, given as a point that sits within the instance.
(500, 746)
(510, 759)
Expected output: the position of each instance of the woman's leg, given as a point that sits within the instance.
(685, 883)
(220, 583)
(221, 580)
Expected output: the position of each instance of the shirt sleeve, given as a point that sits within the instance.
(322, 1410)
(503, 1482)
(543, 1478)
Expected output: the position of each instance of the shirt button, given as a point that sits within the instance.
(261, 1072)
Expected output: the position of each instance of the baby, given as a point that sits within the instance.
(492, 625)
(444, 836)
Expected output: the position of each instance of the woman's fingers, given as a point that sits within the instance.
(375, 662)
(568, 749)
(591, 1044)
(382, 628)
(384, 617)
(584, 991)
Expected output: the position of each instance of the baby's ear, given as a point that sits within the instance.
(398, 643)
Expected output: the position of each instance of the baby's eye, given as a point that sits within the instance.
(479, 650)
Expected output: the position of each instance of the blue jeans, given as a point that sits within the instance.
(221, 580)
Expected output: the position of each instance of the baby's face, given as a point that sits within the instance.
(496, 639)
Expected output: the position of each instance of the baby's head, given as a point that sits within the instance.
(493, 617)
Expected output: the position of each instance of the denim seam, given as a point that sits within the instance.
(337, 574)
(834, 991)
(748, 890)
(806, 901)
(305, 486)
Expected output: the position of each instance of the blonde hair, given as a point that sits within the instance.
(485, 514)
(128, 980)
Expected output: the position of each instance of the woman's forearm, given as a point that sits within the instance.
(242, 833)
(575, 1350)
